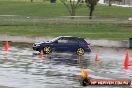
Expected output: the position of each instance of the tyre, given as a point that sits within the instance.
(80, 51)
(47, 50)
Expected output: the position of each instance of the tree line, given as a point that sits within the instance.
(72, 5)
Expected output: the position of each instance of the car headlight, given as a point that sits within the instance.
(36, 45)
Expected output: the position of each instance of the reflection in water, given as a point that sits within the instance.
(41, 55)
(6, 57)
(58, 70)
(72, 60)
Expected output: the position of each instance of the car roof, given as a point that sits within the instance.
(71, 37)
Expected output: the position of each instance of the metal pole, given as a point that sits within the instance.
(124, 2)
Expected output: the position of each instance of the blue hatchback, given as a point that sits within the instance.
(63, 44)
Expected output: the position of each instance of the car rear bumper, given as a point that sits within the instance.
(88, 50)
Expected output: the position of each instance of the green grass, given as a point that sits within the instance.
(108, 23)
(95, 31)
(32, 9)
(47, 9)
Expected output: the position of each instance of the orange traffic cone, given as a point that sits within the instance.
(97, 57)
(84, 73)
(127, 61)
(6, 46)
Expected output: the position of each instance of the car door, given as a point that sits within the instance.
(72, 44)
(61, 44)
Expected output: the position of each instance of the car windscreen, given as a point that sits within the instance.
(54, 39)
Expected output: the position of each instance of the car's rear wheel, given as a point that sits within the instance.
(80, 51)
(47, 50)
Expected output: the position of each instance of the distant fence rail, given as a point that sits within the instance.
(13, 19)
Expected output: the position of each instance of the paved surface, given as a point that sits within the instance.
(105, 43)
(20, 68)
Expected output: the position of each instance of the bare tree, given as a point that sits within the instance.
(71, 5)
(91, 5)
(31, 0)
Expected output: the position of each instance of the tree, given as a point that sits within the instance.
(110, 2)
(31, 0)
(52, 1)
(71, 5)
(91, 5)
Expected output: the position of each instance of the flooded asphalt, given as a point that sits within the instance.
(21, 68)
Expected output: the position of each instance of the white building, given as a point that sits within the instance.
(101, 1)
(118, 2)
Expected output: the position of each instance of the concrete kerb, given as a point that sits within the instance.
(102, 43)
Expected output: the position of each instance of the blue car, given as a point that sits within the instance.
(63, 44)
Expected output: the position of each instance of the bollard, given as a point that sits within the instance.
(130, 43)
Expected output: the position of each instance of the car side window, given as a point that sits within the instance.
(72, 41)
(63, 40)
(68, 40)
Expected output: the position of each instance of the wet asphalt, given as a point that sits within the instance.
(24, 68)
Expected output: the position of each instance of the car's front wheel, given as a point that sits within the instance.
(80, 51)
(47, 50)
